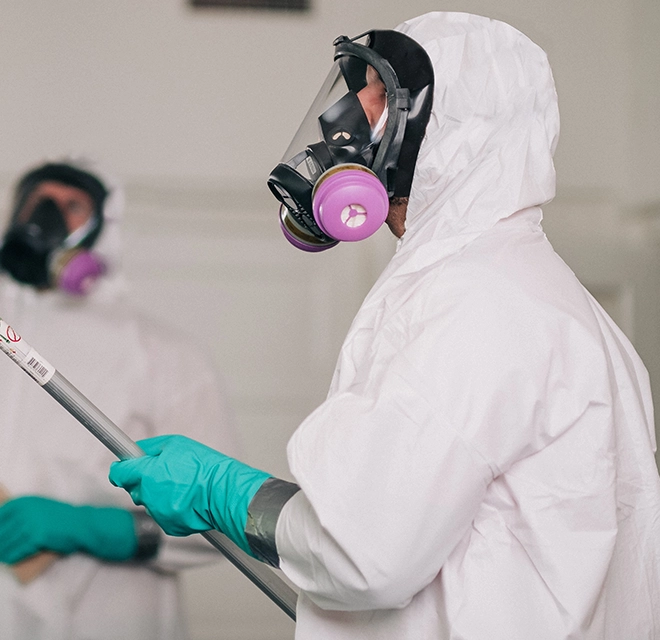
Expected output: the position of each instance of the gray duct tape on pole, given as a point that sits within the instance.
(102, 428)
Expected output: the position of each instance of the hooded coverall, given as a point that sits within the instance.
(482, 468)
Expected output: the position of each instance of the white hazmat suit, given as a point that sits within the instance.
(149, 381)
(482, 468)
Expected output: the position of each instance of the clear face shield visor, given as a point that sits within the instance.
(336, 129)
(332, 182)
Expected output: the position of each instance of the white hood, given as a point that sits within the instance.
(491, 136)
(486, 155)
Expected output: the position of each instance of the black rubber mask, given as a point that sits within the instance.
(336, 130)
(28, 246)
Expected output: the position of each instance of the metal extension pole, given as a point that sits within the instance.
(108, 433)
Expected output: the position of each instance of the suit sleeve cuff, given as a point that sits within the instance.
(263, 511)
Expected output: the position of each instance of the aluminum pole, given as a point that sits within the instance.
(108, 433)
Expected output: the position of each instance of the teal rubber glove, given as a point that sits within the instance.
(30, 524)
(188, 487)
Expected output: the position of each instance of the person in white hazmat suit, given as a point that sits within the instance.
(80, 561)
(482, 467)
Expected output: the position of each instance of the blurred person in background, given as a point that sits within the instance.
(80, 560)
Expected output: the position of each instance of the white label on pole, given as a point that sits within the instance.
(24, 355)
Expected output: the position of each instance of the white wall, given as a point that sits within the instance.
(161, 90)
(192, 108)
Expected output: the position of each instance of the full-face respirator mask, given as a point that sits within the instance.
(340, 171)
(38, 248)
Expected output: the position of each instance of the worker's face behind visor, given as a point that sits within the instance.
(338, 173)
(338, 129)
(45, 245)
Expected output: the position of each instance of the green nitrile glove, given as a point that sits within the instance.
(188, 487)
(30, 524)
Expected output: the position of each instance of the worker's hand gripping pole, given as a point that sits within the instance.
(102, 428)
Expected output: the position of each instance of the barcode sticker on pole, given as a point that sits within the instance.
(38, 368)
(24, 355)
